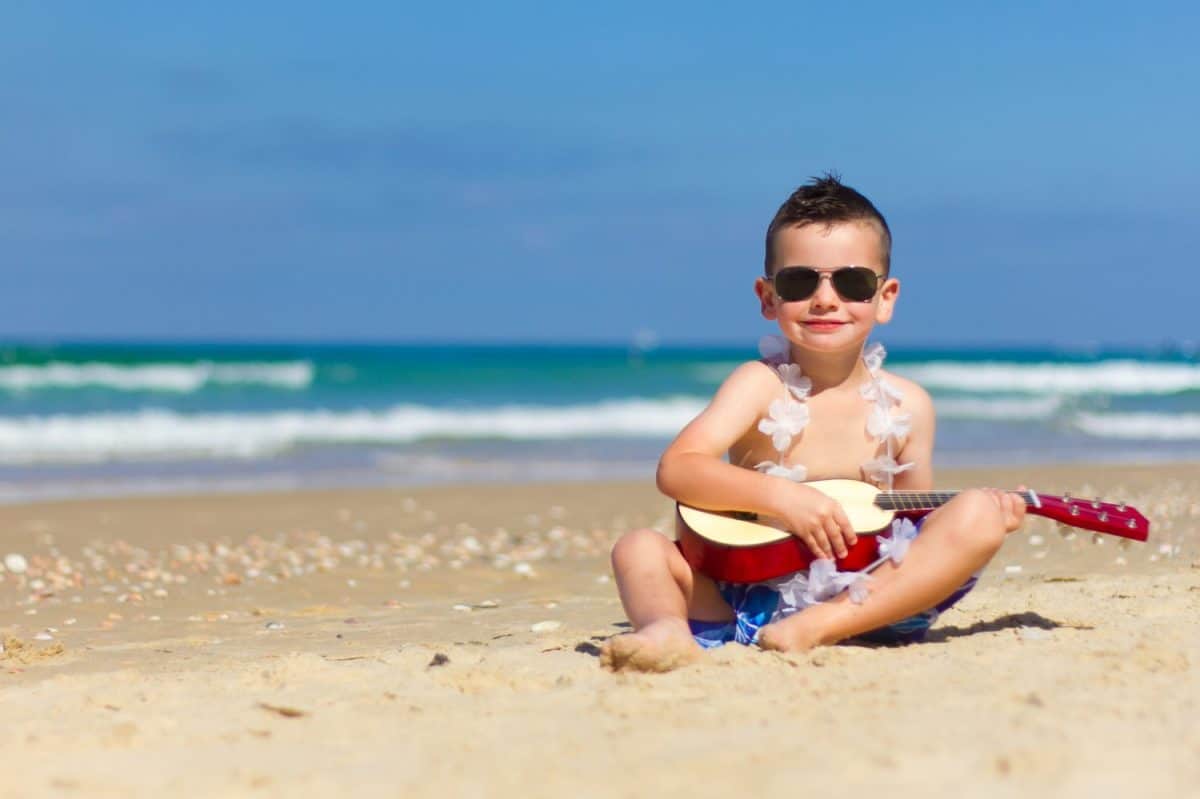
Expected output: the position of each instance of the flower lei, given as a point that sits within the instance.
(786, 418)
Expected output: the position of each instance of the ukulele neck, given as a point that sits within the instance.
(928, 500)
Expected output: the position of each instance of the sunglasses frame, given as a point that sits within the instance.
(830, 273)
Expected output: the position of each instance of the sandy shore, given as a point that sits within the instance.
(444, 641)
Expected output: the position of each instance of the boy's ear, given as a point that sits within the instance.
(887, 301)
(766, 297)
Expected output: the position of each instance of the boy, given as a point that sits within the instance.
(821, 408)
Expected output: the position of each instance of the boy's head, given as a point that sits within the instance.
(826, 201)
(828, 257)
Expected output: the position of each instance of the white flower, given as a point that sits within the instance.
(797, 383)
(821, 573)
(773, 348)
(882, 423)
(873, 355)
(826, 582)
(791, 592)
(797, 473)
(883, 468)
(858, 587)
(896, 545)
(821, 582)
(785, 419)
(882, 392)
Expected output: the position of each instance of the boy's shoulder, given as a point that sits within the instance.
(751, 383)
(759, 373)
(915, 399)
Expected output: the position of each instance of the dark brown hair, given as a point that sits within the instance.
(827, 201)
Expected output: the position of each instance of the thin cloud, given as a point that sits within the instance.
(466, 152)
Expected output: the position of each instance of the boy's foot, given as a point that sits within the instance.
(796, 633)
(660, 646)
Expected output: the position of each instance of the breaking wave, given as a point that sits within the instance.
(176, 378)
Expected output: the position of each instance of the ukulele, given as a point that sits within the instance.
(743, 548)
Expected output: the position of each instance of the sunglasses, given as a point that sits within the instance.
(852, 283)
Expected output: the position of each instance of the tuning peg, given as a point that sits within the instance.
(1131, 524)
(1066, 496)
(1096, 503)
(1074, 510)
(1124, 543)
(1097, 539)
(1065, 531)
(1103, 515)
(1121, 507)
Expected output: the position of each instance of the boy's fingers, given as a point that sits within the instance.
(818, 542)
(848, 533)
(834, 531)
(1015, 512)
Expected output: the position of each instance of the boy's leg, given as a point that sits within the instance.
(956, 540)
(657, 589)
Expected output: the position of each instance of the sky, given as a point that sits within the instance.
(568, 172)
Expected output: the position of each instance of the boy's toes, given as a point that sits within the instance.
(787, 636)
(641, 652)
(618, 651)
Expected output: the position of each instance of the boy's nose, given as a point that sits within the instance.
(825, 293)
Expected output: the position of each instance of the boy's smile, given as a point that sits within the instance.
(825, 321)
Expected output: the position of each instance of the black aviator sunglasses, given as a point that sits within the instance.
(852, 283)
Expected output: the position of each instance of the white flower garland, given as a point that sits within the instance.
(786, 418)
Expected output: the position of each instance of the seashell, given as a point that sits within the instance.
(545, 626)
(15, 563)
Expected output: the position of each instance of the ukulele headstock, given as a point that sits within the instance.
(1117, 519)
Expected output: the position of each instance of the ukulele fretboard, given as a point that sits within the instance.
(924, 500)
(913, 500)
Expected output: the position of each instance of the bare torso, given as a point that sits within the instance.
(834, 444)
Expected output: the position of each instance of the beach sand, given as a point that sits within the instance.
(443, 642)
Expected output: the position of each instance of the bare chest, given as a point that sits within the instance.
(834, 444)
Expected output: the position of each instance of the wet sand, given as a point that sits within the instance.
(444, 642)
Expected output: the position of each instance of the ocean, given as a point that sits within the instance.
(88, 419)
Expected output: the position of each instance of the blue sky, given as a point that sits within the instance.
(562, 172)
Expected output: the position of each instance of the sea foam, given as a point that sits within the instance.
(150, 434)
(1013, 409)
(1140, 426)
(1125, 377)
(179, 378)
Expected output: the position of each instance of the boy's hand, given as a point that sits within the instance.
(1012, 506)
(816, 519)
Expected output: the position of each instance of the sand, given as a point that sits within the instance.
(444, 642)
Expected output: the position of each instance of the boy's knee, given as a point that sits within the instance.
(979, 521)
(637, 545)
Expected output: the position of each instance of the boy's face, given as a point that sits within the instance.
(826, 321)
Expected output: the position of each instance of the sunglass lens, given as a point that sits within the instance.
(796, 283)
(855, 283)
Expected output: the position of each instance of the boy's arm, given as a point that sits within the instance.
(692, 469)
(918, 449)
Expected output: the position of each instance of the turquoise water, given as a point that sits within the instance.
(80, 418)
